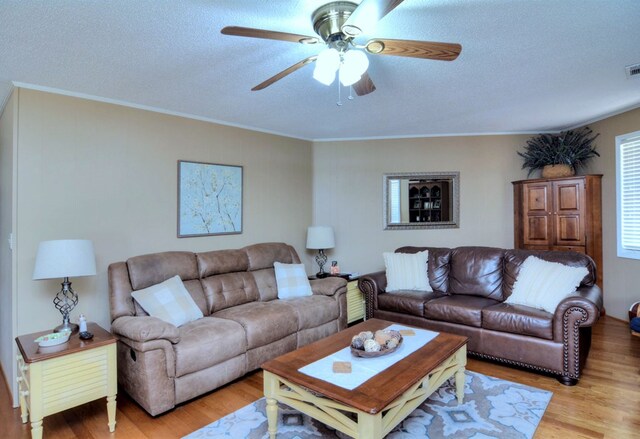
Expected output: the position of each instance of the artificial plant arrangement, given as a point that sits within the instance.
(570, 149)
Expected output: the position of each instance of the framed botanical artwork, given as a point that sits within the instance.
(209, 199)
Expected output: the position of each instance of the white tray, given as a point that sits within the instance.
(53, 339)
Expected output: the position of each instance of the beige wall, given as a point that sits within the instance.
(621, 275)
(348, 196)
(8, 135)
(348, 192)
(107, 173)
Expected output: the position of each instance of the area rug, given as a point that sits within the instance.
(492, 408)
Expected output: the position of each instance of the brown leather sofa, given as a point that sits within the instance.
(469, 285)
(244, 324)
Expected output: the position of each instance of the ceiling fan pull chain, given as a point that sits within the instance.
(339, 103)
(350, 93)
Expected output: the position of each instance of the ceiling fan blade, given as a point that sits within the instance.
(364, 86)
(284, 73)
(239, 31)
(367, 14)
(415, 49)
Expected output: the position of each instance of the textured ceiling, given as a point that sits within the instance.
(526, 65)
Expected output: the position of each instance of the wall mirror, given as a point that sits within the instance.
(421, 200)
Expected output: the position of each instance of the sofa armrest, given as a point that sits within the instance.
(328, 286)
(589, 302)
(145, 328)
(371, 285)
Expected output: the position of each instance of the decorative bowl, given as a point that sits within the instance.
(53, 339)
(383, 342)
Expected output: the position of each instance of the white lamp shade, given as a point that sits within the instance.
(64, 258)
(355, 63)
(320, 237)
(326, 65)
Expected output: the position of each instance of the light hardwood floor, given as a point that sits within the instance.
(605, 404)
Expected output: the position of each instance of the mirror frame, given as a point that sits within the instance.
(455, 195)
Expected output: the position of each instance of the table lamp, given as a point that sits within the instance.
(64, 259)
(320, 238)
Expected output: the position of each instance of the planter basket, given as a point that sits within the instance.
(554, 171)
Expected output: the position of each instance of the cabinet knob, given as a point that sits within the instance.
(19, 380)
(24, 367)
(25, 393)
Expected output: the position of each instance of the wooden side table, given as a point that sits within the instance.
(355, 302)
(61, 377)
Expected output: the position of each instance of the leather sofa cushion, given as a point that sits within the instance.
(513, 259)
(476, 271)
(147, 270)
(264, 255)
(518, 319)
(206, 342)
(221, 262)
(263, 322)
(406, 301)
(266, 282)
(227, 290)
(466, 310)
(313, 311)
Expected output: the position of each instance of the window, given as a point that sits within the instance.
(628, 194)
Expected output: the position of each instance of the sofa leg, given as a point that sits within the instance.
(567, 381)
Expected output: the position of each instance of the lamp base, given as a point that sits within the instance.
(67, 327)
(322, 274)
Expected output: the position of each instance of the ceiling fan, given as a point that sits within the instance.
(338, 24)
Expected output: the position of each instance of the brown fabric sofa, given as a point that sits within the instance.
(469, 286)
(244, 324)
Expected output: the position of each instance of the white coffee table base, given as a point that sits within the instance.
(366, 425)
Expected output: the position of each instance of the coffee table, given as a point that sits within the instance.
(374, 408)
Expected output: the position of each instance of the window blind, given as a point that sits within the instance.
(629, 195)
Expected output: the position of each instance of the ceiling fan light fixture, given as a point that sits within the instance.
(327, 64)
(354, 64)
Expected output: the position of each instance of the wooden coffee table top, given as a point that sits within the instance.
(378, 392)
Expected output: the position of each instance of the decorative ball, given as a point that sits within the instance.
(634, 311)
(366, 335)
(392, 343)
(393, 333)
(371, 346)
(381, 337)
(357, 342)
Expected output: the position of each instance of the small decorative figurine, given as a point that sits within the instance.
(335, 269)
(84, 333)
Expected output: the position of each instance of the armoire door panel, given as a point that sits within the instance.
(567, 195)
(569, 229)
(537, 198)
(537, 230)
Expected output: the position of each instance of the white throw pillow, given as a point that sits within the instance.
(169, 301)
(292, 281)
(407, 271)
(543, 284)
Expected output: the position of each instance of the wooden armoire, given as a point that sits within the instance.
(560, 214)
